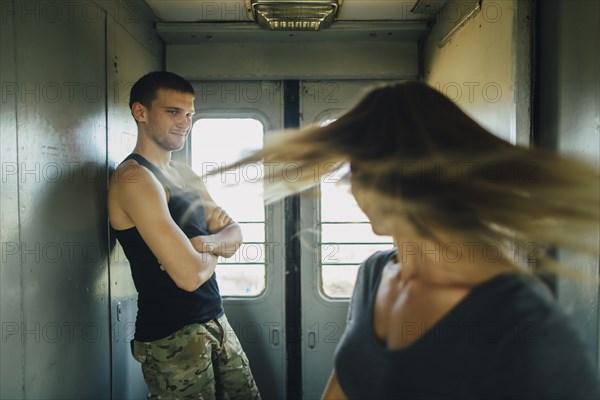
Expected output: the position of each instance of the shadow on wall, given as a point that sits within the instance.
(62, 253)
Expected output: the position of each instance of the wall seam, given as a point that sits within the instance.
(107, 226)
(21, 297)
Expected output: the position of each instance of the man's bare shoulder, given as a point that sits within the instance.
(130, 178)
(133, 189)
(129, 171)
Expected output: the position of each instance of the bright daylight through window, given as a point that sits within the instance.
(216, 142)
(346, 236)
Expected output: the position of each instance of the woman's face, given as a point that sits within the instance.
(367, 200)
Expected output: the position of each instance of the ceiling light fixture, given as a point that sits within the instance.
(297, 15)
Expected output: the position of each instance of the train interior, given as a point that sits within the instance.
(526, 70)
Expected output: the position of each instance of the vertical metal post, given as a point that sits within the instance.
(293, 310)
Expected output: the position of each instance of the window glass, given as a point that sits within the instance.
(346, 236)
(216, 142)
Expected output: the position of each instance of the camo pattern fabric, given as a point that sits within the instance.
(200, 361)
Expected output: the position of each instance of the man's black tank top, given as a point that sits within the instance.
(163, 308)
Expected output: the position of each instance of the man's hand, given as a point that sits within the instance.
(225, 234)
(223, 243)
(217, 219)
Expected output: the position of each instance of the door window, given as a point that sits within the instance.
(217, 142)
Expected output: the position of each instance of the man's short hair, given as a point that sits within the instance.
(145, 90)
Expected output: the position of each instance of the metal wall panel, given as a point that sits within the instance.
(569, 120)
(55, 316)
(322, 60)
(127, 61)
(61, 136)
(475, 67)
(11, 345)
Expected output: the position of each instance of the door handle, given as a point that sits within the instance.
(312, 340)
(275, 337)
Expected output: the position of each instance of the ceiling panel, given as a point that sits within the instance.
(200, 10)
(235, 10)
(383, 10)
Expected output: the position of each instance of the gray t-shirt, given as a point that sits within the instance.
(506, 340)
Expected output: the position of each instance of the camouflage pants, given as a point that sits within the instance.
(200, 361)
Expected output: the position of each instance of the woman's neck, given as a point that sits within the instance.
(450, 262)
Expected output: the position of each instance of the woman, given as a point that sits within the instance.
(453, 311)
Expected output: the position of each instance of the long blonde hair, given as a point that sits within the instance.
(429, 161)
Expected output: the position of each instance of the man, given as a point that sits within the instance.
(172, 233)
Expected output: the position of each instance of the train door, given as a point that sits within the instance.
(258, 284)
(289, 320)
(336, 238)
(231, 119)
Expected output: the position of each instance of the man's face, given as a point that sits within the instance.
(169, 119)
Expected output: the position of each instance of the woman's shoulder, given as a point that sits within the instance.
(379, 258)
(539, 339)
(521, 302)
(532, 304)
(525, 343)
(373, 265)
(518, 318)
(370, 271)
